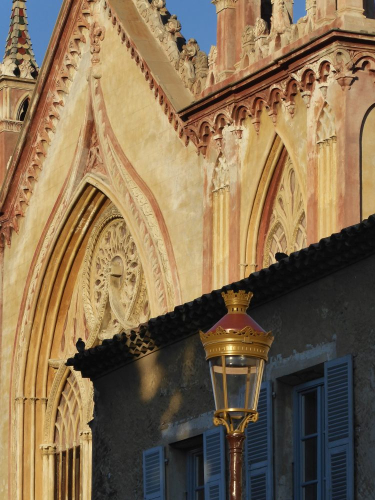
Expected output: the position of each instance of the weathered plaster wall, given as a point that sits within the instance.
(172, 171)
(150, 401)
(142, 399)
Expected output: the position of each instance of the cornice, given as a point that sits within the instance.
(341, 55)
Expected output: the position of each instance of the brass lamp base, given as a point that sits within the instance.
(232, 422)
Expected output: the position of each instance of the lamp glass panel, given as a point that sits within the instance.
(217, 378)
(236, 381)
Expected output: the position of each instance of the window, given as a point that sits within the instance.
(195, 479)
(23, 110)
(68, 468)
(323, 434)
(195, 470)
(309, 440)
(315, 411)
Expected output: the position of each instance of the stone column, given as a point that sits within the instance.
(226, 35)
(20, 411)
(33, 402)
(86, 463)
(48, 453)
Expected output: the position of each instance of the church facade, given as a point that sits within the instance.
(139, 173)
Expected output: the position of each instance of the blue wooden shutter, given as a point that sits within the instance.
(339, 429)
(259, 450)
(214, 464)
(154, 474)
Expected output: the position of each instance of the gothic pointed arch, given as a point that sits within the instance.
(278, 217)
(104, 264)
(66, 449)
(93, 287)
(286, 228)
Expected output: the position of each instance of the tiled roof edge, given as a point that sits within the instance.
(300, 268)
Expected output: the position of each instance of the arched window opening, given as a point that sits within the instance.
(68, 471)
(23, 110)
(286, 231)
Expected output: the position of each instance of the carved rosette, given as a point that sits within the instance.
(114, 287)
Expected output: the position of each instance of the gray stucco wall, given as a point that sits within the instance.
(167, 396)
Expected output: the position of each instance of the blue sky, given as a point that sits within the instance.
(198, 19)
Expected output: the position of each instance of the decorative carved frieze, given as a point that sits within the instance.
(10, 126)
(339, 66)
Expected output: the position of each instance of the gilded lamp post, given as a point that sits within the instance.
(236, 349)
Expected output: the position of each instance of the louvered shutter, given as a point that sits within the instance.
(214, 464)
(339, 429)
(258, 450)
(154, 474)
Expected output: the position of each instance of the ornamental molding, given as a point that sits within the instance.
(151, 229)
(339, 65)
(10, 126)
(60, 82)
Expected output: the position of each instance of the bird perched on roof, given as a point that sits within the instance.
(80, 345)
(280, 256)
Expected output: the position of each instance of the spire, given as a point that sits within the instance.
(19, 59)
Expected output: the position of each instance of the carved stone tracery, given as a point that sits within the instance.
(287, 227)
(114, 286)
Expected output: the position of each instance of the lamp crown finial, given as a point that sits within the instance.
(237, 302)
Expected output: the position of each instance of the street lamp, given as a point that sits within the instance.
(236, 349)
